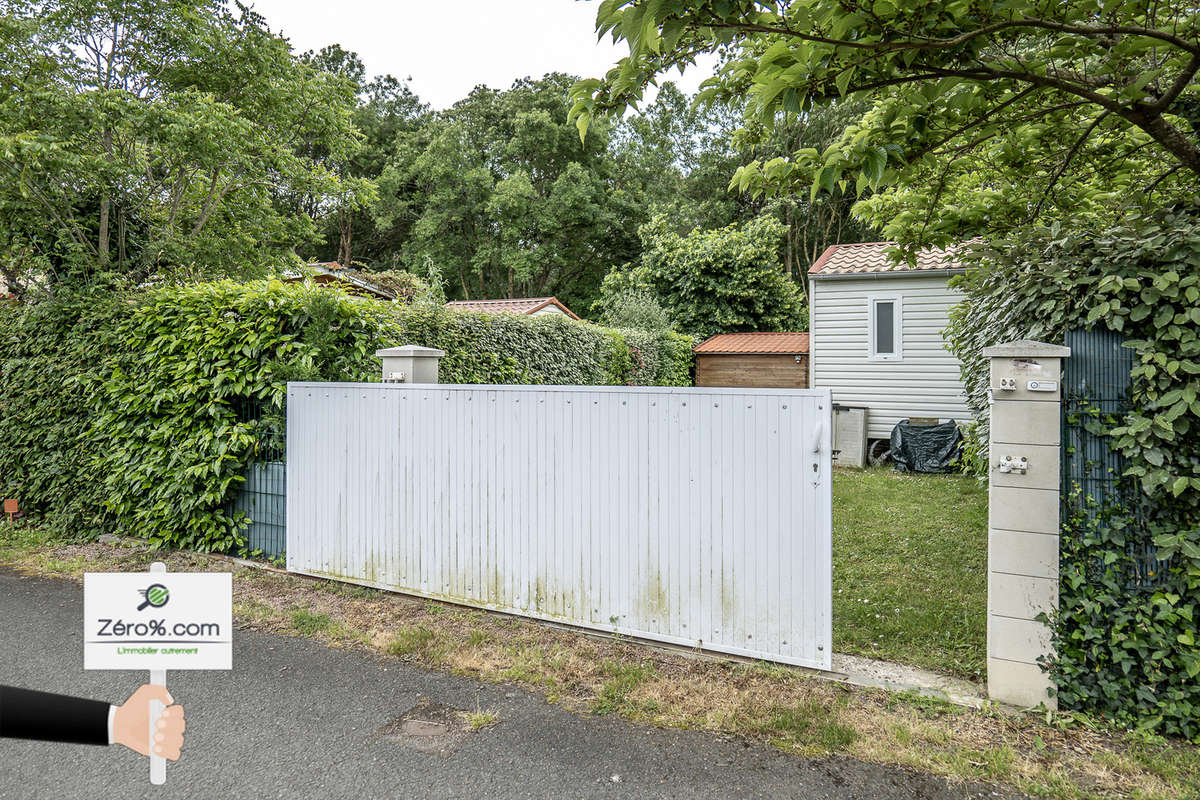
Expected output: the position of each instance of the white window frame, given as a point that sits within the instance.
(897, 302)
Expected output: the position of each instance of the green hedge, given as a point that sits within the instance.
(1124, 649)
(125, 413)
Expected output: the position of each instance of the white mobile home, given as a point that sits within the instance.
(875, 334)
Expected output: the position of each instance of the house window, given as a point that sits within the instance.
(884, 327)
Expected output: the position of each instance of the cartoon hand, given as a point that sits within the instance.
(132, 721)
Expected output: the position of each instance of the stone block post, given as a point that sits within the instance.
(1023, 528)
(410, 364)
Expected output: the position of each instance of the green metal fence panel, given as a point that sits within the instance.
(1095, 391)
(263, 495)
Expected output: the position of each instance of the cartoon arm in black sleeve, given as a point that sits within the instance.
(29, 714)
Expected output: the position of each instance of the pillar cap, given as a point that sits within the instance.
(1027, 348)
(411, 351)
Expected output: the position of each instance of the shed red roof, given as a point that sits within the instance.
(755, 343)
(868, 257)
(516, 305)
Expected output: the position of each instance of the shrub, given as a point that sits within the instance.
(634, 308)
(1124, 648)
(125, 412)
(708, 282)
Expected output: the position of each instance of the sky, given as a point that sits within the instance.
(448, 48)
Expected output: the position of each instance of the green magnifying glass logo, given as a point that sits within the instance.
(155, 595)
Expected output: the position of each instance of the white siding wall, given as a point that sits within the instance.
(925, 383)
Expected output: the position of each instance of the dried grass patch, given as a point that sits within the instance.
(793, 711)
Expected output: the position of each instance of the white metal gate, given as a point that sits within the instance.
(694, 516)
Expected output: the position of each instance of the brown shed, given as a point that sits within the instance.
(764, 360)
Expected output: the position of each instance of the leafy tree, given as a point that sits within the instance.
(386, 109)
(503, 195)
(986, 114)
(676, 156)
(682, 154)
(812, 222)
(712, 281)
(140, 139)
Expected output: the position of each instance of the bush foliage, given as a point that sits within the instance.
(124, 413)
(1124, 648)
(711, 282)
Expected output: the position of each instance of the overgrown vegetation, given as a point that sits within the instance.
(910, 569)
(123, 412)
(1126, 646)
(711, 281)
(976, 117)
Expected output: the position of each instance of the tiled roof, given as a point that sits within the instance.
(517, 305)
(754, 343)
(869, 257)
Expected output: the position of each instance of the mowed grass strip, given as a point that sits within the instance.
(910, 569)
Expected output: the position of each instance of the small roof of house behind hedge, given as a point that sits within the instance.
(326, 272)
(861, 258)
(516, 305)
(787, 343)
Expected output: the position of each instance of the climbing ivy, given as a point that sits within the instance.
(1126, 646)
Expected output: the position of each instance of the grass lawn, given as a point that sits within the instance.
(910, 569)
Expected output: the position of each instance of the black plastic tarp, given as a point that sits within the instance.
(926, 448)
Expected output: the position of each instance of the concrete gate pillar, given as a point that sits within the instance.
(410, 363)
(1023, 507)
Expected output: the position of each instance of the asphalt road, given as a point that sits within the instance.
(297, 719)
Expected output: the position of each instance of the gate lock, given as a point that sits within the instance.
(1018, 464)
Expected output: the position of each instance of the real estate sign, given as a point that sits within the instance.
(157, 620)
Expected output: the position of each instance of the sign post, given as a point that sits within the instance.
(157, 621)
(158, 677)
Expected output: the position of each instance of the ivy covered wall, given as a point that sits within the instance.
(1126, 648)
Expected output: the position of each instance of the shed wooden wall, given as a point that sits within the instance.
(771, 371)
(924, 383)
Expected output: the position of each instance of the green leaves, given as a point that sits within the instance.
(171, 140)
(451, 191)
(1130, 571)
(712, 281)
(126, 412)
(998, 114)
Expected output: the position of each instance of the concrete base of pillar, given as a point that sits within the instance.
(1019, 684)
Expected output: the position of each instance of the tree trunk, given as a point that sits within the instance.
(102, 241)
(789, 249)
(346, 234)
(1171, 138)
(121, 236)
(105, 204)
